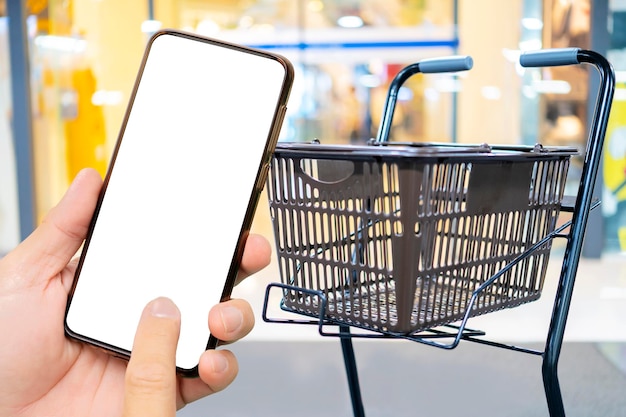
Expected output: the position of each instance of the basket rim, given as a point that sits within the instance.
(422, 150)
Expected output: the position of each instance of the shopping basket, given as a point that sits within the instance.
(396, 237)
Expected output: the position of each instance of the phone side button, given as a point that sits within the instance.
(280, 117)
(263, 177)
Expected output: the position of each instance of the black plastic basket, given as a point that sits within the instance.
(397, 237)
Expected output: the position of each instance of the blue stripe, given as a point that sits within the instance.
(449, 43)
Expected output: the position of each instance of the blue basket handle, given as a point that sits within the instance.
(572, 56)
(427, 66)
(446, 64)
(550, 57)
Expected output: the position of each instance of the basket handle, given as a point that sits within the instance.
(427, 66)
(549, 57)
(571, 56)
(445, 64)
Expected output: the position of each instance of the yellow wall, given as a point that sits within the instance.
(486, 27)
(113, 31)
(115, 44)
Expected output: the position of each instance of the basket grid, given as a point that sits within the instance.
(441, 296)
(401, 246)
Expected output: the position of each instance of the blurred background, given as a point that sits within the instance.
(81, 58)
(67, 69)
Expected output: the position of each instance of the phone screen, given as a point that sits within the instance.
(181, 190)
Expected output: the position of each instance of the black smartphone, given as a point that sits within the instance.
(181, 190)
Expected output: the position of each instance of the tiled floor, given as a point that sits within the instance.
(398, 379)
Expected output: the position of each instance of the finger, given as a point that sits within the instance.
(150, 385)
(228, 321)
(217, 370)
(51, 246)
(256, 256)
(231, 320)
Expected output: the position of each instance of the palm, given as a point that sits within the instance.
(37, 343)
(44, 373)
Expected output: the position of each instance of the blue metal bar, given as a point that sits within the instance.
(573, 249)
(150, 9)
(22, 114)
(435, 43)
(351, 371)
(454, 134)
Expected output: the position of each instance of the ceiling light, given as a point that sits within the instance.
(552, 86)
(530, 45)
(369, 80)
(150, 26)
(350, 21)
(491, 92)
(405, 94)
(246, 22)
(207, 27)
(447, 84)
(532, 23)
(511, 55)
(529, 92)
(61, 43)
(106, 98)
(431, 94)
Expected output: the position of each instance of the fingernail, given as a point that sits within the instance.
(232, 319)
(219, 364)
(165, 308)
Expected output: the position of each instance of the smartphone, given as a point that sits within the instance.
(181, 190)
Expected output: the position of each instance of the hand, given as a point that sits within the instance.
(42, 373)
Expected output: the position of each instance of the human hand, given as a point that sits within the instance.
(44, 373)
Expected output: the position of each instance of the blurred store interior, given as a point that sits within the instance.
(72, 64)
(83, 56)
(80, 58)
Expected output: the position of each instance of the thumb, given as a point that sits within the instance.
(53, 244)
(151, 373)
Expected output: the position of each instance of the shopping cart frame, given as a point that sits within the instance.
(573, 232)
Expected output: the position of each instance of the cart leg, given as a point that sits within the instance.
(351, 371)
(551, 386)
(554, 342)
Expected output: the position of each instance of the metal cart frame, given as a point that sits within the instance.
(579, 206)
